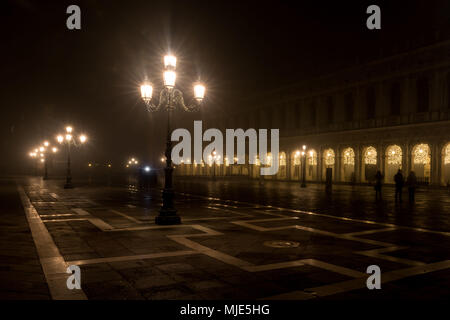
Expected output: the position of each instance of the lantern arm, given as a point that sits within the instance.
(163, 100)
(177, 97)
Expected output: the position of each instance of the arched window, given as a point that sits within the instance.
(394, 155)
(445, 178)
(348, 169)
(421, 154)
(312, 157)
(282, 169)
(282, 159)
(370, 164)
(447, 154)
(328, 156)
(348, 156)
(296, 155)
(370, 156)
(421, 162)
(311, 165)
(394, 158)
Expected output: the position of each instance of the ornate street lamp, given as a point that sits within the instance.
(34, 155)
(69, 140)
(169, 99)
(303, 185)
(45, 150)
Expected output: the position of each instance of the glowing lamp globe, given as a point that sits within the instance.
(169, 78)
(199, 92)
(146, 91)
(170, 61)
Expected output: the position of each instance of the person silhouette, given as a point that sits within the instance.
(378, 184)
(399, 181)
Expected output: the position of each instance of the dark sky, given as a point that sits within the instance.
(52, 76)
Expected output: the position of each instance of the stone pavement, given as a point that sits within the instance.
(21, 274)
(230, 249)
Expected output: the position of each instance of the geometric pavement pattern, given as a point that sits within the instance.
(96, 233)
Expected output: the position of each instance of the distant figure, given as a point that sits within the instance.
(378, 184)
(399, 181)
(411, 181)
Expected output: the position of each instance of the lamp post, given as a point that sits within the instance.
(34, 155)
(303, 185)
(68, 139)
(46, 151)
(169, 99)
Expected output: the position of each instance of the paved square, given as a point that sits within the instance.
(224, 249)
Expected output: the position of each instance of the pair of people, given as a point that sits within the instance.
(411, 182)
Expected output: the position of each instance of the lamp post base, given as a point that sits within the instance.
(68, 184)
(303, 185)
(167, 214)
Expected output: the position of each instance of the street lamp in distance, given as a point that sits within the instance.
(69, 140)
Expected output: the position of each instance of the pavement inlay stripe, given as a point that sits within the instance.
(134, 257)
(125, 216)
(81, 212)
(53, 264)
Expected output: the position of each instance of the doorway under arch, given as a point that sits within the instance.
(370, 164)
(328, 162)
(421, 162)
(348, 165)
(393, 161)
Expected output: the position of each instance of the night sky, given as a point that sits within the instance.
(89, 78)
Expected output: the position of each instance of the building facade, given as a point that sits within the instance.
(388, 114)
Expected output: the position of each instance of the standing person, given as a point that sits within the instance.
(411, 181)
(378, 184)
(398, 178)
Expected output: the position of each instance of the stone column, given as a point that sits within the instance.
(288, 164)
(337, 164)
(408, 155)
(404, 147)
(380, 158)
(357, 169)
(319, 164)
(435, 161)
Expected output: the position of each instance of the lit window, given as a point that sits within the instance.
(447, 154)
(394, 155)
(297, 158)
(282, 159)
(312, 158)
(329, 157)
(370, 157)
(421, 154)
(349, 156)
